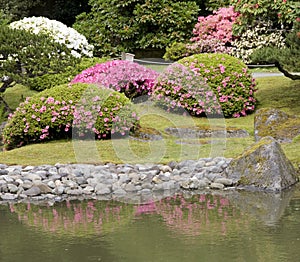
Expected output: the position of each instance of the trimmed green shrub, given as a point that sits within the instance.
(228, 77)
(103, 112)
(46, 81)
(177, 51)
(45, 116)
(179, 87)
(49, 114)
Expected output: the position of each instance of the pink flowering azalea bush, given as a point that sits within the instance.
(104, 112)
(123, 76)
(230, 80)
(216, 26)
(212, 34)
(179, 87)
(50, 115)
(47, 115)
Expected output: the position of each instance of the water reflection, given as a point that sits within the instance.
(228, 226)
(187, 214)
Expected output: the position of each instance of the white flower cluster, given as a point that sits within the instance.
(255, 38)
(59, 32)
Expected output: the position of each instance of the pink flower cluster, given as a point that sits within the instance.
(55, 113)
(228, 78)
(181, 87)
(120, 75)
(60, 111)
(104, 115)
(216, 26)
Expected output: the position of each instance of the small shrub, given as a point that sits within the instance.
(181, 50)
(49, 115)
(123, 76)
(228, 77)
(179, 87)
(104, 112)
(176, 51)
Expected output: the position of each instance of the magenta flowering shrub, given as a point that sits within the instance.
(45, 116)
(104, 112)
(179, 87)
(123, 76)
(230, 80)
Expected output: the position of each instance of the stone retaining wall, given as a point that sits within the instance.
(111, 181)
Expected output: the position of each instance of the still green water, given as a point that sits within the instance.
(204, 227)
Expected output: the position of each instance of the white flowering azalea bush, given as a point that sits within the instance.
(61, 33)
(256, 38)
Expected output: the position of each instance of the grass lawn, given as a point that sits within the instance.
(277, 92)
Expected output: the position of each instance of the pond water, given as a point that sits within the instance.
(244, 226)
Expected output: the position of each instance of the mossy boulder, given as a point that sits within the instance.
(276, 123)
(263, 166)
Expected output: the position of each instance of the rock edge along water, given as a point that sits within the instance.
(110, 181)
(261, 167)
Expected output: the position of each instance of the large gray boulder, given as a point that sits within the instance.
(276, 123)
(263, 166)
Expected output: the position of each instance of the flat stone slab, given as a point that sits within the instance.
(196, 132)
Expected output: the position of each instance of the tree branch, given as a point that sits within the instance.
(286, 73)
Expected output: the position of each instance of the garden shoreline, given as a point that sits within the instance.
(136, 183)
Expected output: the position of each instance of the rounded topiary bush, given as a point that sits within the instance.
(104, 112)
(123, 76)
(50, 114)
(228, 77)
(179, 87)
(47, 115)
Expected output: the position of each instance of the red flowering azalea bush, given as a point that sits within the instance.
(50, 114)
(123, 76)
(104, 112)
(179, 87)
(230, 80)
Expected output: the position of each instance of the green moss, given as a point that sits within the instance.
(244, 180)
(146, 133)
(286, 128)
(254, 147)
